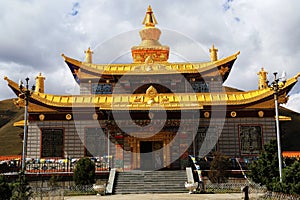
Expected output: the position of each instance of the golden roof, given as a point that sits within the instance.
(152, 99)
(155, 68)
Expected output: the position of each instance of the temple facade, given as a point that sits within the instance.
(151, 113)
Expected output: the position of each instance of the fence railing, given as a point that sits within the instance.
(234, 187)
(280, 196)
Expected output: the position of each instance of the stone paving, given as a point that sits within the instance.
(179, 196)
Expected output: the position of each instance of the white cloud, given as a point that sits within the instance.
(34, 34)
(294, 102)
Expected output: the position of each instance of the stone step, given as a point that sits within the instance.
(150, 182)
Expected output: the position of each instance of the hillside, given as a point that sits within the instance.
(10, 141)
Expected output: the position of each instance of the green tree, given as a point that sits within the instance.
(21, 190)
(84, 172)
(219, 167)
(265, 169)
(290, 179)
(5, 188)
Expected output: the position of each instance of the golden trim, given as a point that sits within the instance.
(284, 118)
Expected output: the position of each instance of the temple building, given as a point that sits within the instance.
(151, 113)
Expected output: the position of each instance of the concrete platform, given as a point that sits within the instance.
(180, 196)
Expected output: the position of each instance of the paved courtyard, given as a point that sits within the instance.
(179, 196)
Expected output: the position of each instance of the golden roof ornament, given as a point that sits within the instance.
(262, 79)
(151, 93)
(39, 83)
(88, 55)
(149, 20)
(213, 53)
(150, 45)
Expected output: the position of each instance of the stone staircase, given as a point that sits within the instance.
(137, 182)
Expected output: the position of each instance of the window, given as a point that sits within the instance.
(200, 86)
(52, 142)
(250, 139)
(101, 89)
(206, 140)
(95, 142)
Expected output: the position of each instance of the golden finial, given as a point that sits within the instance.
(149, 20)
(88, 55)
(213, 53)
(39, 83)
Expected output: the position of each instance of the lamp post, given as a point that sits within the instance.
(108, 136)
(276, 87)
(25, 93)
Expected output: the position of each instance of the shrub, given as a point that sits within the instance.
(21, 188)
(84, 172)
(5, 189)
(218, 168)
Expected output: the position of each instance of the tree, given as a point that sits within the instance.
(265, 169)
(219, 167)
(290, 179)
(84, 172)
(21, 190)
(5, 188)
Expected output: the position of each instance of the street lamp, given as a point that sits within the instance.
(276, 86)
(25, 94)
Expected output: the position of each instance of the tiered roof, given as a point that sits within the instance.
(182, 101)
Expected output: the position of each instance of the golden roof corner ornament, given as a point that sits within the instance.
(149, 19)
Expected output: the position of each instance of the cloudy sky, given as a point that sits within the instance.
(35, 33)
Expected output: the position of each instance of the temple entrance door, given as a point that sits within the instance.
(150, 157)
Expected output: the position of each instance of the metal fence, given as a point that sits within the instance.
(256, 191)
(234, 187)
(58, 193)
(279, 196)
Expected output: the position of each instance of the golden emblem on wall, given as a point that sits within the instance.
(206, 114)
(151, 93)
(68, 116)
(233, 114)
(261, 113)
(41, 117)
(95, 116)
